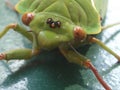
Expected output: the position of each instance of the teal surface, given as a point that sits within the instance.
(50, 70)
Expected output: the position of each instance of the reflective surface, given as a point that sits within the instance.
(50, 70)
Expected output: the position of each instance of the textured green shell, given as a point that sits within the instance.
(80, 12)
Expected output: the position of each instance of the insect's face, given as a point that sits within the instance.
(59, 18)
(42, 22)
(56, 28)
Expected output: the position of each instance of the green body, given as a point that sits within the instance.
(71, 13)
(78, 22)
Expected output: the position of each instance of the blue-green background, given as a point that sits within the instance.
(50, 70)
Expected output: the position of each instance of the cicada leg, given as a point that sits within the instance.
(18, 29)
(19, 53)
(16, 54)
(74, 57)
(110, 25)
(97, 41)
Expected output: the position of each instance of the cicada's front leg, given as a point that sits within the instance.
(74, 57)
(16, 54)
(18, 29)
(19, 53)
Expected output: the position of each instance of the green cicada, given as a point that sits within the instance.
(66, 24)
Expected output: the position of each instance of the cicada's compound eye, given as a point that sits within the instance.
(27, 18)
(79, 33)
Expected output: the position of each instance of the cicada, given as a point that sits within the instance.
(63, 24)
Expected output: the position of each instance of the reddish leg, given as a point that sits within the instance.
(2, 56)
(89, 65)
(75, 57)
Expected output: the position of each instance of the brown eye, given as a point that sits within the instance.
(53, 25)
(49, 21)
(58, 23)
(27, 18)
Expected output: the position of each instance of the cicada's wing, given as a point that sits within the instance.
(93, 25)
(33, 5)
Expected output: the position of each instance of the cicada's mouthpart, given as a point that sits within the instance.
(27, 18)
